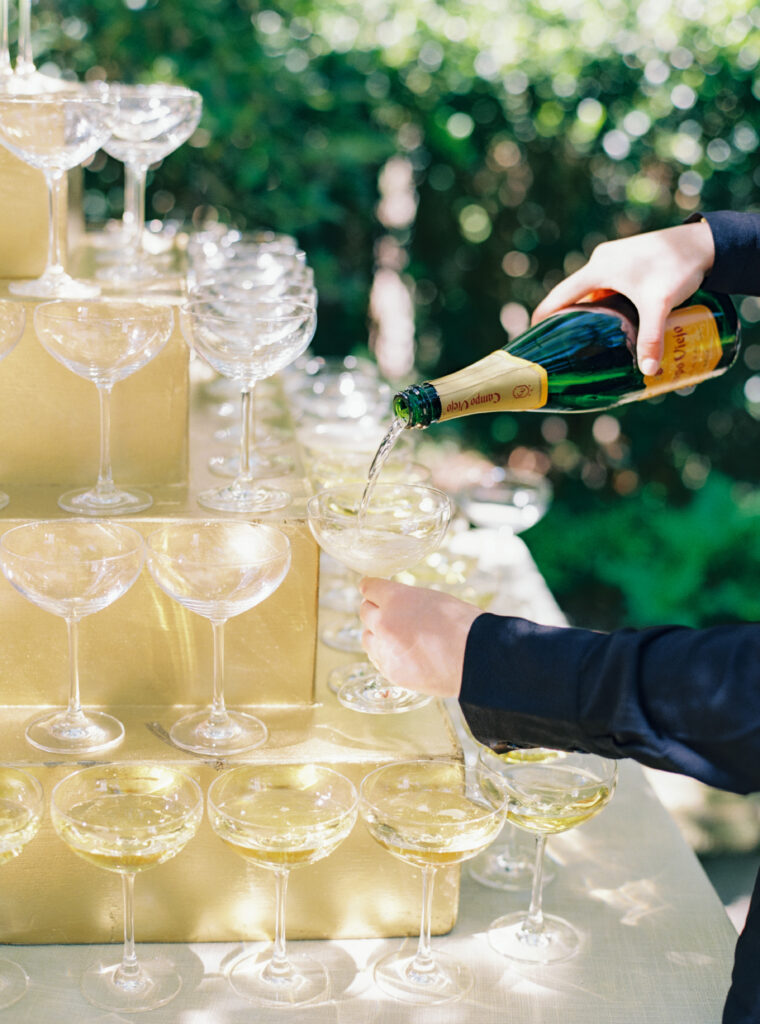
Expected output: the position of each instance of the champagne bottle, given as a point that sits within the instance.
(581, 359)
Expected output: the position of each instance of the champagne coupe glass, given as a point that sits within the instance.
(72, 568)
(401, 525)
(218, 569)
(254, 342)
(281, 817)
(55, 132)
(546, 797)
(149, 122)
(103, 341)
(430, 813)
(21, 808)
(127, 818)
(509, 865)
(12, 321)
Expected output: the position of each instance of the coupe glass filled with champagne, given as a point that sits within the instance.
(281, 817)
(401, 524)
(430, 814)
(127, 818)
(547, 796)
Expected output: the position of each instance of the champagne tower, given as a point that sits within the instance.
(147, 660)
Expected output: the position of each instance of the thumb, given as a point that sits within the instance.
(650, 342)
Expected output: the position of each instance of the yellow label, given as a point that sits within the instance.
(499, 381)
(692, 350)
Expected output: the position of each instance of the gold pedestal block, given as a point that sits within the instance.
(209, 893)
(146, 648)
(50, 426)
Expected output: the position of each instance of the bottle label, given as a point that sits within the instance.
(692, 350)
(499, 381)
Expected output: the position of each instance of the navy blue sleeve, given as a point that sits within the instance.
(679, 699)
(736, 270)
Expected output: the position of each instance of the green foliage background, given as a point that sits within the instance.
(536, 130)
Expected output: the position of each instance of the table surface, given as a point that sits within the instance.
(657, 945)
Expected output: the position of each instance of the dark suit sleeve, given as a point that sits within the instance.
(679, 699)
(736, 270)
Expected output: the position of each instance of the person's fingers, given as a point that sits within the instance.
(571, 289)
(369, 614)
(371, 588)
(650, 341)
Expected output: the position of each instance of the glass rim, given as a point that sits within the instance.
(50, 306)
(25, 775)
(331, 773)
(446, 762)
(191, 310)
(127, 531)
(94, 769)
(152, 551)
(314, 501)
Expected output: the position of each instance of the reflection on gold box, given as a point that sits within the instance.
(209, 893)
(146, 648)
(50, 426)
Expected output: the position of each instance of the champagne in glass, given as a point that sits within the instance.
(403, 524)
(218, 569)
(104, 341)
(548, 796)
(127, 818)
(21, 809)
(429, 814)
(281, 817)
(72, 568)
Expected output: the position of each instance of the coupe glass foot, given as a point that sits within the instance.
(556, 941)
(300, 981)
(442, 979)
(154, 984)
(361, 688)
(87, 502)
(237, 733)
(60, 732)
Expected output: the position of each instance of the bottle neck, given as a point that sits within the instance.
(418, 405)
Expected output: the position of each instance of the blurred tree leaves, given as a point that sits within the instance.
(535, 129)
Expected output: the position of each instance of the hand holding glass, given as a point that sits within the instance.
(280, 817)
(218, 569)
(402, 524)
(128, 818)
(72, 568)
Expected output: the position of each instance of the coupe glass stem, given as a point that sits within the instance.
(5, 57)
(105, 485)
(56, 261)
(279, 965)
(246, 433)
(129, 973)
(136, 181)
(534, 922)
(74, 708)
(25, 58)
(218, 709)
(423, 962)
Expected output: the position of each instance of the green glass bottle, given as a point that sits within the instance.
(582, 359)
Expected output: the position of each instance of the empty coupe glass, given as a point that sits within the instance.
(72, 568)
(21, 809)
(149, 122)
(104, 341)
(218, 569)
(250, 344)
(55, 132)
(128, 818)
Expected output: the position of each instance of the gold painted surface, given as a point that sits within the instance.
(23, 218)
(146, 648)
(208, 893)
(49, 420)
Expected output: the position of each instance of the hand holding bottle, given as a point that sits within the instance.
(656, 271)
(416, 637)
